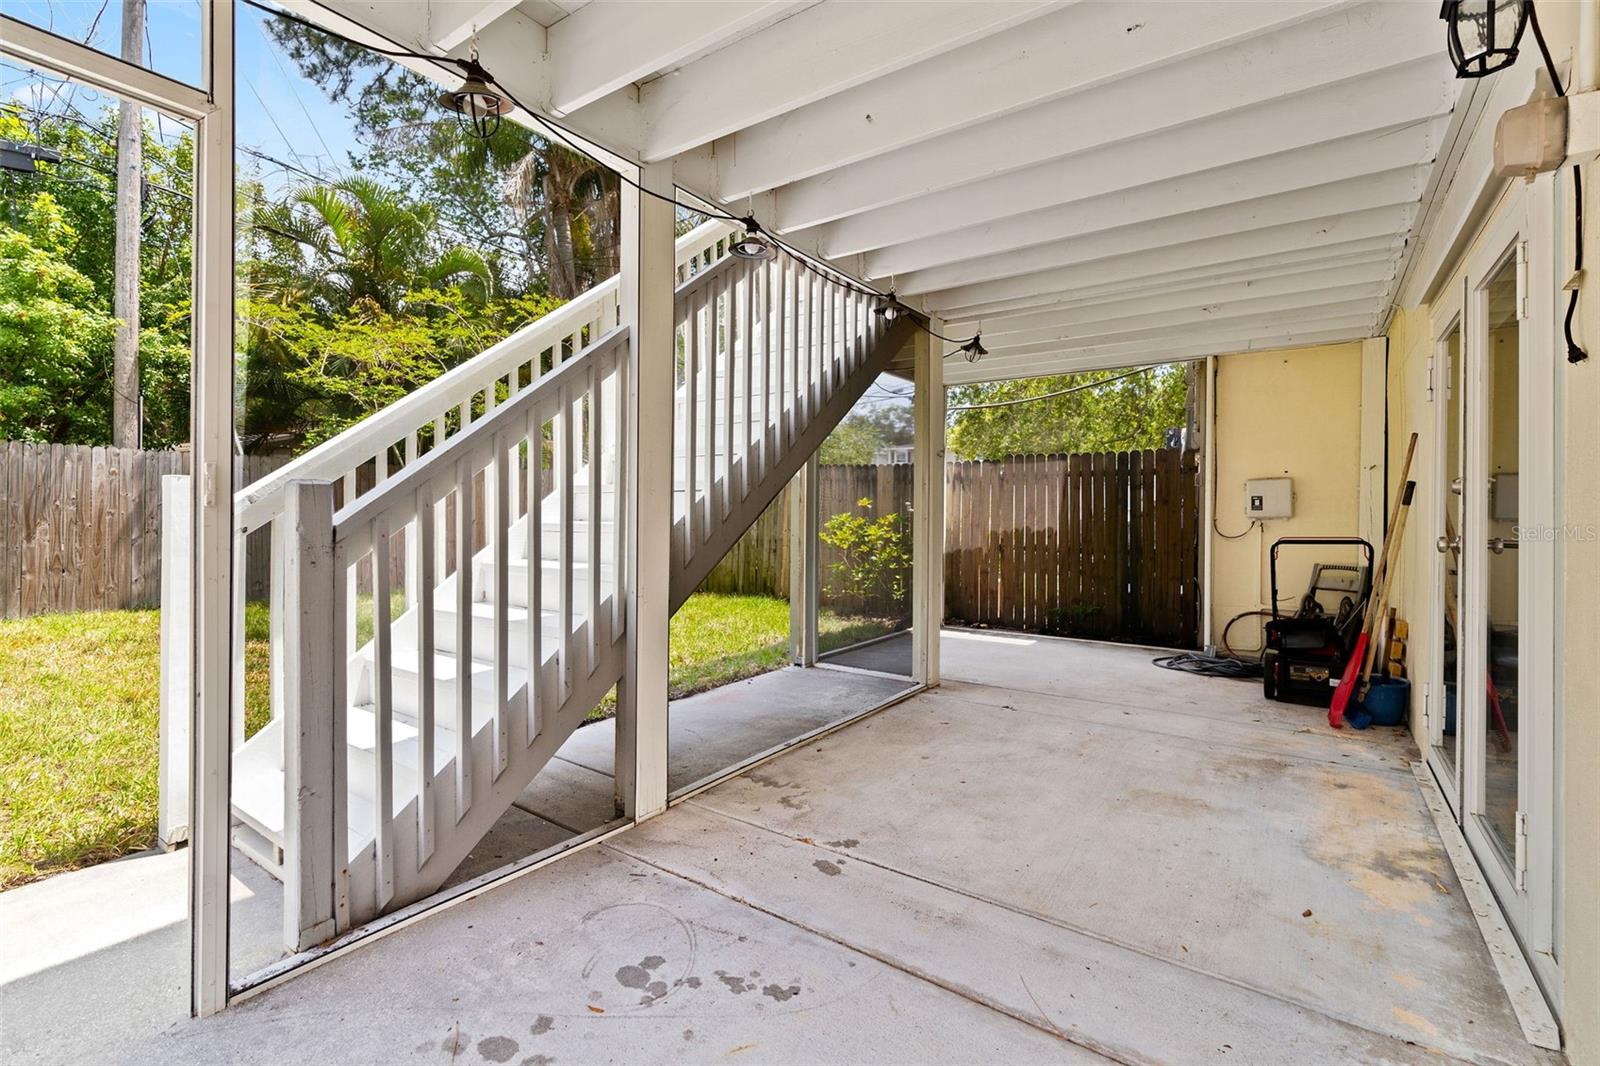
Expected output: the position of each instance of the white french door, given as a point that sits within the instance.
(1442, 713)
(1492, 743)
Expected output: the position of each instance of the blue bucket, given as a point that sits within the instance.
(1388, 700)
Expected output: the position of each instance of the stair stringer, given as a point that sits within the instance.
(688, 573)
(456, 833)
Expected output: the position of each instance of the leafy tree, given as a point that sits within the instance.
(853, 442)
(1133, 413)
(55, 336)
(55, 224)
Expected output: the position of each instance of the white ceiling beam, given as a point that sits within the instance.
(808, 57)
(1066, 52)
(1300, 240)
(1305, 57)
(1360, 277)
(1019, 344)
(1234, 222)
(1358, 115)
(1371, 257)
(453, 23)
(1249, 183)
(1057, 237)
(607, 46)
(959, 372)
(1120, 318)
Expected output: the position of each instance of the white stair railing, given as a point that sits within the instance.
(435, 774)
(772, 355)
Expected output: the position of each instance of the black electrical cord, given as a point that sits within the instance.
(1193, 662)
(1575, 352)
(564, 135)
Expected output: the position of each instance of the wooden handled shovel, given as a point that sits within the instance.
(1341, 695)
(1352, 668)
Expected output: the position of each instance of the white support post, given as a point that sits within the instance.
(1208, 493)
(212, 433)
(927, 507)
(309, 591)
(803, 600)
(172, 817)
(647, 308)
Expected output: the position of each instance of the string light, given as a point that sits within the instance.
(752, 245)
(477, 106)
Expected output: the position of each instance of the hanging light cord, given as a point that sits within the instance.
(565, 136)
(1575, 352)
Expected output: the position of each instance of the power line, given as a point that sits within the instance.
(1049, 395)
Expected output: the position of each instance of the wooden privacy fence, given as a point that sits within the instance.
(1101, 545)
(80, 527)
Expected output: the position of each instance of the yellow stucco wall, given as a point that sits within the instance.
(1292, 413)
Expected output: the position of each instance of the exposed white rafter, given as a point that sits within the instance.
(605, 47)
(960, 372)
(1060, 241)
(1108, 319)
(1303, 58)
(808, 57)
(1064, 53)
(1041, 342)
(1372, 114)
(1244, 189)
(1294, 238)
(1372, 256)
(453, 23)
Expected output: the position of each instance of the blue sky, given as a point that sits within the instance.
(280, 113)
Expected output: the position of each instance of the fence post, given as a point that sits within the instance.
(177, 701)
(309, 589)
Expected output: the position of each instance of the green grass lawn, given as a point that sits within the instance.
(80, 714)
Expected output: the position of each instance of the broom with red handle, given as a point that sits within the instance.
(1352, 667)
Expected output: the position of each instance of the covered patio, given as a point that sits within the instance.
(1169, 869)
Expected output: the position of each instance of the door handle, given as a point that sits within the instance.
(1499, 545)
(1447, 544)
(1455, 486)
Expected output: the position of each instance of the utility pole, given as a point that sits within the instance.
(125, 413)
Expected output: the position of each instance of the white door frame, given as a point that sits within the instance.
(1445, 386)
(1523, 878)
(210, 109)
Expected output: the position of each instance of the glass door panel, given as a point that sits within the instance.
(1499, 754)
(1443, 726)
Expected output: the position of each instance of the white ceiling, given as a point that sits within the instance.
(1093, 183)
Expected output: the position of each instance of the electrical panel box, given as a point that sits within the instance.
(1271, 497)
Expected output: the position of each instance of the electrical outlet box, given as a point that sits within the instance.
(1271, 497)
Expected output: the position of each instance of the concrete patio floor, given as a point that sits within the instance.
(1064, 854)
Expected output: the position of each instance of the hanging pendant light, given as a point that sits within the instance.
(477, 103)
(889, 309)
(1482, 35)
(753, 245)
(974, 349)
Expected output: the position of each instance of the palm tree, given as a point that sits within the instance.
(357, 241)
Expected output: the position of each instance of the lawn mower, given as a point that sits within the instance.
(1305, 653)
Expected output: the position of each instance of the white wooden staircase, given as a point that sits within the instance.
(400, 737)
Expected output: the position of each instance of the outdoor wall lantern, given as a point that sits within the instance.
(753, 245)
(477, 104)
(1482, 35)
